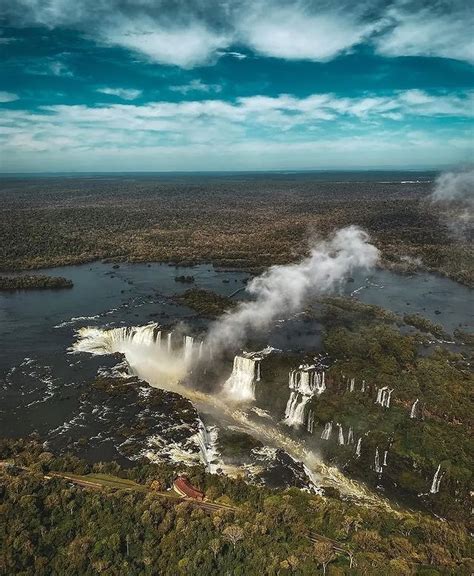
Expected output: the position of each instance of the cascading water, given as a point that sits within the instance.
(188, 349)
(436, 481)
(241, 383)
(413, 409)
(352, 385)
(169, 342)
(350, 436)
(340, 437)
(385, 454)
(377, 466)
(362, 388)
(304, 383)
(310, 424)
(358, 447)
(326, 433)
(383, 397)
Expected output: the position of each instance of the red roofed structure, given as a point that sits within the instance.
(186, 489)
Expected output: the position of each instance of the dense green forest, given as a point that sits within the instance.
(51, 527)
(238, 223)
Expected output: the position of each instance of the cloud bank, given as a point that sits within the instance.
(192, 33)
(284, 290)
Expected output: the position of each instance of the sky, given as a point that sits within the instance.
(190, 85)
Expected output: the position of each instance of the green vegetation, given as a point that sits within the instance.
(231, 222)
(11, 283)
(55, 527)
(425, 325)
(205, 302)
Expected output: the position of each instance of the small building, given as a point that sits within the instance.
(183, 487)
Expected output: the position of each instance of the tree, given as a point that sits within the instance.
(324, 554)
(233, 534)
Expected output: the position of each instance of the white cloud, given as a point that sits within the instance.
(123, 93)
(294, 33)
(321, 130)
(185, 46)
(190, 33)
(437, 29)
(196, 85)
(8, 97)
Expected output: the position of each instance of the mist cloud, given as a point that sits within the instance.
(283, 290)
(454, 194)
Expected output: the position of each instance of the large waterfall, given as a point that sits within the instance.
(413, 409)
(326, 433)
(436, 481)
(304, 383)
(383, 397)
(150, 356)
(245, 373)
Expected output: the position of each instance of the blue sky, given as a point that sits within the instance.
(235, 85)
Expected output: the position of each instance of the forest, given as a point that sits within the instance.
(29, 282)
(246, 222)
(53, 527)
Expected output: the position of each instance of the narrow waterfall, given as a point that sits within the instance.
(201, 345)
(350, 436)
(340, 437)
(413, 409)
(326, 434)
(310, 424)
(436, 481)
(169, 342)
(295, 408)
(362, 388)
(241, 383)
(383, 396)
(385, 458)
(377, 466)
(352, 385)
(158, 340)
(188, 348)
(358, 447)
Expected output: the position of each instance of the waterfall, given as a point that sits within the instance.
(158, 340)
(436, 481)
(306, 380)
(377, 466)
(188, 347)
(352, 385)
(385, 458)
(241, 383)
(169, 342)
(340, 438)
(383, 396)
(413, 409)
(350, 436)
(358, 447)
(362, 388)
(310, 424)
(201, 344)
(326, 434)
(258, 372)
(294, 413)
(304, 383)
